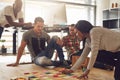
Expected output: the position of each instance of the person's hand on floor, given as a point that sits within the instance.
(66, 71)
(84, 75)
(13, 64)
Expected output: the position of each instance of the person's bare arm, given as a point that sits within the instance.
(20, 52)
(16, 24)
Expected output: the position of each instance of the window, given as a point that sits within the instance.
(52, 13)
(80, 1)
(70, 11)
(74, 11)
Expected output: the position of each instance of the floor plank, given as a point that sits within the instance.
(8, 72)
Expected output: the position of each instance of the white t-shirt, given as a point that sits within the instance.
(8, 10)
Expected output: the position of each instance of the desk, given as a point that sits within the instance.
(47, 29)
(84, 64)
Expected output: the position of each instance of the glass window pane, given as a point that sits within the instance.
(75, 13)
(79, 1)
(70, 13)
(51, 12)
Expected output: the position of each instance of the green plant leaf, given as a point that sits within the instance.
(2, 40)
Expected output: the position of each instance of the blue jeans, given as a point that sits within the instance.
(48, 53)
(42, 60)
(54, 46)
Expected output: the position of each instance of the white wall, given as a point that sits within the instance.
(101, 5)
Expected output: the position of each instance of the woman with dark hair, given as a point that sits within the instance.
(100, 40)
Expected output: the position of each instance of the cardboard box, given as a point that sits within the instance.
(75, 58)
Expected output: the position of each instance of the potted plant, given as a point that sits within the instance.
(3, 49)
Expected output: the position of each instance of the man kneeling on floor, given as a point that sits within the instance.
(41, 55)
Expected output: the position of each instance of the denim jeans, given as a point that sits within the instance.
(47, 54)
(54, 46)
(76, 54)
(112, 59)
(42, 60)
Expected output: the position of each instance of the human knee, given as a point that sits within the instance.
(43, 61)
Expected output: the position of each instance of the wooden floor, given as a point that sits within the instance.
(6, 73)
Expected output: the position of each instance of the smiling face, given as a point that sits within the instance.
(38, 26)
(72, 30)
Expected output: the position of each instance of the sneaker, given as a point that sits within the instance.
(65, 64)
(56, 63)
(49, 67)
